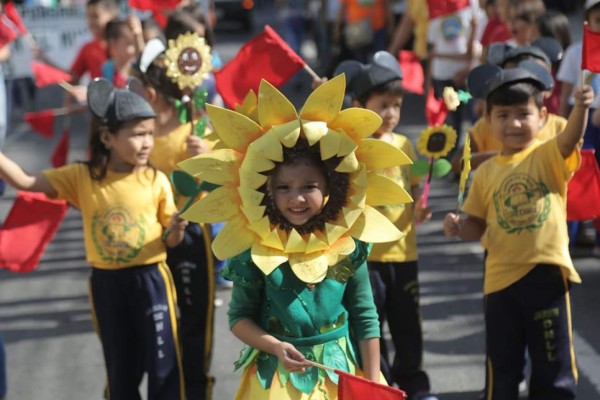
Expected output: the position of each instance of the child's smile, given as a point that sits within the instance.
(298, 191)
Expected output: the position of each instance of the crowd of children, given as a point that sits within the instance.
(304, 291)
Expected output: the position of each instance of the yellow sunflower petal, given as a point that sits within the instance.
(250, 197)
(315, 243)
(359, 199)
(288, 133)
(349, 216)
(347, 146)
(219, 166)
(233, 239)
(210, 209)
(348, 164)
(267, 259)
(334, 232)
(273, 240)
(256, 162)
(309, 268)
(235, 130)
(314, 131)
(330, 144)
(268, 146)
(377, 154)
(340, 249)
(248, 106)
(325, 102)
(261, 227)
(273, 107)
(383, 191)
(254, 213)
(358, 123)
(295, 243)
(251, 178)
(372, 226)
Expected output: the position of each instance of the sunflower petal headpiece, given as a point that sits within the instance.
(254, 140)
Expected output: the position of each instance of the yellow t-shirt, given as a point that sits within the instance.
(485, 140)
(123, 214)
(170, 149)
(522, 198)
(418, 11)
(401, 215)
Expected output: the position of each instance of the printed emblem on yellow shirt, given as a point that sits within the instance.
(117, 236)
(521, 203)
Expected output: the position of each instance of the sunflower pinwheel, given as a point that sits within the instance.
(434, 142)
(464, 171)
(254, 145)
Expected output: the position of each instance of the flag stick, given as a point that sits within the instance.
(315, 364)
(312, 73)
(67, 86)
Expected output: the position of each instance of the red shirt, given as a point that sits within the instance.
(90, 58)
(495, 31)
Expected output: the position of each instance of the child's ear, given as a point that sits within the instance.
(105, 137)
(151, 94)
(543, 115)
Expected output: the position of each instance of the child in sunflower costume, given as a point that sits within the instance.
(303, 191)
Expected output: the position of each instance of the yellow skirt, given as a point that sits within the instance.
(250, 388)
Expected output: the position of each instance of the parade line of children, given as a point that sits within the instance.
(315, 212)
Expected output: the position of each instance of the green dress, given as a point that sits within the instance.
(324, 322)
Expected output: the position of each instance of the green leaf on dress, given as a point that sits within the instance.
(334, 357)
(305, 381)
(266, 367)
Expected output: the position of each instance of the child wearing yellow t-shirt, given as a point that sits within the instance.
(516, 206)
(126, 207)
(393, 266)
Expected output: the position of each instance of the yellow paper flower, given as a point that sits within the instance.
(188, 60)
(450, 98)
(255, 146)
(436, 141)
(466, 167)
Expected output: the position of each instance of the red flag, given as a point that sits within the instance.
(412, 72)
(41, 121)
(7, 33)
(29, 227)
(154, 4)
(352, 387)
(60, 153)
(439, 8)
(583, 195)
(12, 14)
(590, 53)
(267, 57)
(435, 109)
(45, 74)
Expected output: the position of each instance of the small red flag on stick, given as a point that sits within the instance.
(352, 387)
(29, 227)
(7, 33)
(435, 109)
(267, 57)
(41, 121)
(154, 4)
(590, 54)
(583, 196)
(60, 153)
(12, 14)
(45, 74)
(412, 72)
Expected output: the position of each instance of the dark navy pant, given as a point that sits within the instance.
(396, 294)
(532, 314)
(134, 309)
(192, 266)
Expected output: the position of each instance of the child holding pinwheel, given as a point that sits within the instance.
(393, 267)
(516, 206)
(180, 135)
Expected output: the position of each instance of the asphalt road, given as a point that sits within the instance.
(53, 352)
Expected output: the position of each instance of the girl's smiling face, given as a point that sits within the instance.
(299, 191)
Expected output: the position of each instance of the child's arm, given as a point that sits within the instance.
(250, 333)
(176, 231)
(14, 175)
(471, 228)
(577, 121)
(369, 354)
(422, 213)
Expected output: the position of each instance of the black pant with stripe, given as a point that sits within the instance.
(135, 315)
(192, 265)
(396, 295)
(532, 314)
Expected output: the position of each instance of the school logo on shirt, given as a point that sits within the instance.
(521, 203)
(117, 236)
(451, 28)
